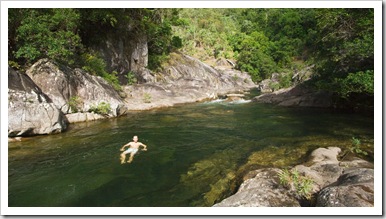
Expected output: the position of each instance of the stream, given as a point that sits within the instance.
(196, 154)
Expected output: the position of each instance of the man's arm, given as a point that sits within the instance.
(144, 147)
(126, 145)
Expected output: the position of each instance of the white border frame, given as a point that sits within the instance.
(378, 152)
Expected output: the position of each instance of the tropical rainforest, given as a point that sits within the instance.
(338, 43)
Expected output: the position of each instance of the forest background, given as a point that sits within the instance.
(339, 42)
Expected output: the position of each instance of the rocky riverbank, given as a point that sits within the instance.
(49, 96)
(322, 181)
(298, 96)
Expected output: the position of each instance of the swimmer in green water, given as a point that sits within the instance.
(133, 148)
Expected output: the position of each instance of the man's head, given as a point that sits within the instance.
(135, 138)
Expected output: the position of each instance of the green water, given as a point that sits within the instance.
(195, 154)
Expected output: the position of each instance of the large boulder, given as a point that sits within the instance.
(183, 71)
(73, 88)
(354, 188)
(322, 167)
(263, 190)
(30, 111)
(335, 183)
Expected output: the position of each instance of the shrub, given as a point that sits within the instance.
(274, 86)
(97, 66)
(14, 65)
(75, 103)
(285, 80)
(147, 98)
(113, 80)
(355, 148)
(131, 79)
(102, 108)
(301, 184)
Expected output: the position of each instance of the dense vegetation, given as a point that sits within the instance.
(66, 35)
(339, 42)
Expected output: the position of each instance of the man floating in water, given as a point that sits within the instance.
(133, 148)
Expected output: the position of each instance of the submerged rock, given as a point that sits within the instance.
(30, 111)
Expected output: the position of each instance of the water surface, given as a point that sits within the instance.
(195, 154)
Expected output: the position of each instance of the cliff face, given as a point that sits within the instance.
(124, 53)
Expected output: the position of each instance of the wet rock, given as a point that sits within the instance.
(355, 188)
(263, 190)
(63, 85)
(30, 111)
(233, 97)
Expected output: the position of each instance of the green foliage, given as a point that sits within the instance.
(355, 148)
(14, 65)
(274, 86)
(147, 98)
(344, 53)
(75, 103)
(359, 82)
(131, 79)
(45, 33)
(102, 108)
(285, 177)
(285, 80)
(113, 80)
(97, 66)
(340, 42)
(94, 65)
(161, 41)
(204, 32)
(302, 185)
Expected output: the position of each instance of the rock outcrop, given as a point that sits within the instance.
(183, 80)
(126, 52)
(262, 190)
(65, 85)
(334, 184)
(297, 96)
(354, 188)
(74, 92)
(30, 111)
